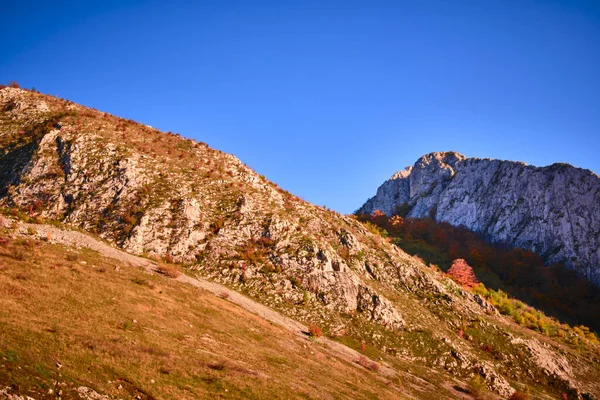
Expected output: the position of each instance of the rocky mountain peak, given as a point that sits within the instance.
(441, 157)
(552, 210)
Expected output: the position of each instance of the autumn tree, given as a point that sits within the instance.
(379, 218)
(462, 273)
(395, 223)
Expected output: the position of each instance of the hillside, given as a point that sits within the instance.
(163, 197)
(553, 211)
(75, 323)
(553, 289)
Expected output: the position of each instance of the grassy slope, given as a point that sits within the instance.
(148, 335)
(104, 334)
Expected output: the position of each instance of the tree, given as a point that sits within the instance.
(461, 273)
(395, 223)
(379, 218)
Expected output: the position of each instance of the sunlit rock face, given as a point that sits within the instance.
(553, 210)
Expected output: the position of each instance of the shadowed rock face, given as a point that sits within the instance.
(553, 210)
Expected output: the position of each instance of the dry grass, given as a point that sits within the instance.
(160, 339)
(168, 270)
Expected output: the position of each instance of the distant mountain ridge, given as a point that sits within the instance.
(178, 201)
(553, 210)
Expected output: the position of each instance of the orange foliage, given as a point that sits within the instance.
(314, 331)
(395, 223)
(522, 273)
(379, 218)
(462, 273)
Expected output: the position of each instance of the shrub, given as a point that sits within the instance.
(519, 395)
(305, 298)
(344, 253)
(519, 319)
(368, 364)
(18, 254)
(168, 270)
(506, 307)
(296, 282)
(217, 225)
(481, 290)
(476, 386)
(314, 331)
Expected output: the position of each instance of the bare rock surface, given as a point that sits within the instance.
(151, 196)
(553, 210)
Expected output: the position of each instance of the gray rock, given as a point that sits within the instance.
(553, 210)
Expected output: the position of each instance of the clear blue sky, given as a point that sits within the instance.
(327, 98)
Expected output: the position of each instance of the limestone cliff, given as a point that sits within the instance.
(162, 196)
(553, 210)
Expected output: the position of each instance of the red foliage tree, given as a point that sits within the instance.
(462, 273)
(379, 218)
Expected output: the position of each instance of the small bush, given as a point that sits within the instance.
(518, 395)
(72, 257)
(477, 386)
(296, 282)
(314, 331)
(305, 298)
(519, 319)
(506, 307)
(368, 364)
(18, 254)
(140, 281)
(168, 270)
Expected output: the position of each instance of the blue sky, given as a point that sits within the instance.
(328, 98)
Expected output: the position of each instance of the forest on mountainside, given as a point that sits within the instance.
(557, 291)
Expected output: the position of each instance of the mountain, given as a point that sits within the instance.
(553, 210)
(161, 197)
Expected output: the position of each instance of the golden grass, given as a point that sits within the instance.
(91, 325)
(168, 270)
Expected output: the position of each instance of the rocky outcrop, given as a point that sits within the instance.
(553, 210)
(165, 197)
